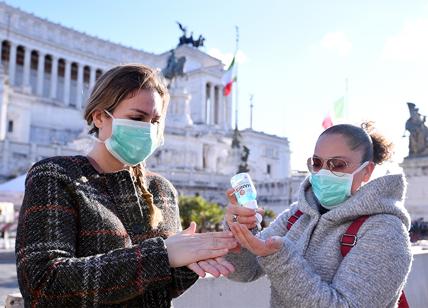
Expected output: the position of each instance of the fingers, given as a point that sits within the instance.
(220, 267)
(230, 193)
(219, 243)
(235, 228)
(197, 269)
(251, 226)
(242, 215)
(250, 220)
(191, 229)
(252, 243)
(209, 267)
(239, 210)
(221, 234)
(274, 243)
(237, 249)
(229, 266)
(217, 240)
(204, 254)
(216, 267)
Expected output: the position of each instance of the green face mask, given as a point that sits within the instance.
(332, 190)
(131, 142)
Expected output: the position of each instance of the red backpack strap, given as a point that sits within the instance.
(402, 302)
(349, 238)
(293, 218)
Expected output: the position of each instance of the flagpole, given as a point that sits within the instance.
(346, 100)
(251, 110)
(237, 79)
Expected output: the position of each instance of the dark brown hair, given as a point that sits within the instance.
(374, 146)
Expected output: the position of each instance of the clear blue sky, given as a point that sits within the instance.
(296, 54)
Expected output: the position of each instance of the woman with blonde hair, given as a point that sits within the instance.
(100, 229)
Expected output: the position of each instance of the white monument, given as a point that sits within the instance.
(47, 71)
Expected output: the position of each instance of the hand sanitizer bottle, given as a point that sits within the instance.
(245, 193)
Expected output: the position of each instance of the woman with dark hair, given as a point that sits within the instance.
(345, 242)
(101, 230)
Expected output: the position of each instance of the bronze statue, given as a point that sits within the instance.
(418, 139)
(199, 41)
(244, 152)
(174, 67)
(184, 40)
(182, 28)
(243, 166)
(236, 139)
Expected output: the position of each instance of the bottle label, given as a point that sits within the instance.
(244, 188)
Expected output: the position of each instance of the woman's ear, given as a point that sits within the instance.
(98, 118)
(368, 170)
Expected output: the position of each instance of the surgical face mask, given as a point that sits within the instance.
(332, 190)
(131, 142)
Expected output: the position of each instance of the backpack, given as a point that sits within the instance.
(348, 240)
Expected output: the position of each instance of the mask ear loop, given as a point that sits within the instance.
(96, 139)
(109, 113)
(365, 164)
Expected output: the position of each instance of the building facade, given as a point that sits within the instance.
(47, 71)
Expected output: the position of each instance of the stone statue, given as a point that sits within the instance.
(245, 153)
(174, 67)
(236, 139)
(240, 152)
(184, 40)
(418, 139)
(243, 166)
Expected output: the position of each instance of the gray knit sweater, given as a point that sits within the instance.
(309, 270)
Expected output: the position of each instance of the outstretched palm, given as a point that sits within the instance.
(254, 244)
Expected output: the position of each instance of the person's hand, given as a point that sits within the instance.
(216, 267)
(255, 245)
(242, 215)
(189, 247)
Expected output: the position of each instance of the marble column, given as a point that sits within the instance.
(207, 91)
(40, 73)
(79, 88)
(54, 77)
(212, 105)
(67, 77)
(220, 108)
(4, 100)
(27, 63)
(217, 104)
(204, 103)
(12, 63)
(91, 77)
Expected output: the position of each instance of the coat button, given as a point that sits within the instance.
(137, 228)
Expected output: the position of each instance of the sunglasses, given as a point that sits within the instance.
(336, 165)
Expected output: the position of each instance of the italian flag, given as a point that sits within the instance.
(228, 78)
(337, 113)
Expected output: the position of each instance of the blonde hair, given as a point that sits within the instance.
(117, 84)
